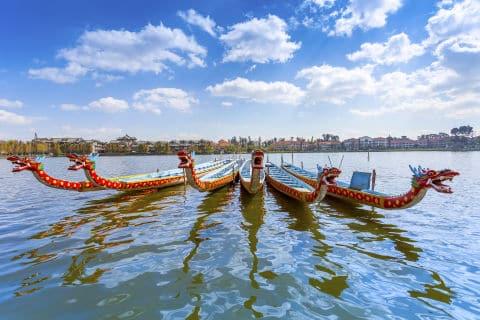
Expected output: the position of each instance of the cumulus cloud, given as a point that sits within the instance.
(431, 88)
(194, 18)
(364, 15)
(337, 84)
(8, 117)
(259, 40)
(109, 105)
(69, 74)
(154, 100)
(323, 3)
(396, 49)
(151, 49)
(259, 91)
(5, 103)
(461, 19)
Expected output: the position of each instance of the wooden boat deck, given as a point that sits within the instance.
(167, 173)
(284, 177)
(221, 172)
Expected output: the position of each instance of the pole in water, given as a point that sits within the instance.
(341, 162)
(374, 178)
(292, 157)
(301, 163)
(330, 160)
(368, 155)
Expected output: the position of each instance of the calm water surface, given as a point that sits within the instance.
(179, 253)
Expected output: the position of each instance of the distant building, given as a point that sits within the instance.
(125, 141)
(351, 144)
(402, 143)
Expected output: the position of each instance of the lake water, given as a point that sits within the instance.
(179, 253)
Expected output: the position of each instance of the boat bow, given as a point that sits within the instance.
(295, 188)
(213, 180)
(252, 175)
(37, 168)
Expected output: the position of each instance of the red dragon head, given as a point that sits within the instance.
(82, 161)
(26, 163)
(428, 178)
(257, 159)
(328, 175)
(186, 160)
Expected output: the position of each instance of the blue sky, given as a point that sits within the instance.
(213, 69)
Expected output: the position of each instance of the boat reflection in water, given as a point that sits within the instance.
(82, 244)
(369, 228)
(106, 218)
(253, 210)
(193, 283)
(331, 280)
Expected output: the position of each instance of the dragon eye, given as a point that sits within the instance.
(431, 173)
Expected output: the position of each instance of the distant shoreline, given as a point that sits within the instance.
(3, 156)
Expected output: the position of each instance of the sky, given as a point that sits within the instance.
(213, 69)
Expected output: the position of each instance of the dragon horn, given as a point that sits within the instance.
(414, 170)
(93, 156)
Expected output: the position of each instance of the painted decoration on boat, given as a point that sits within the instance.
(295, 188)
(422, 181)
(252, 174)
(37, 168)
(224, 175)
(155, 180)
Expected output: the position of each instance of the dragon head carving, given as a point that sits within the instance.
(428, 178)
(82, 161)
(328, 175)
(26, 163)
(186, 159)
(257, 159)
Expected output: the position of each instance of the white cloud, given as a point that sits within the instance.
(337, 84)
(227, 104)
(148, 50)
(364, 15)
(13, 118)
(194, 18)
(259, 91)
(259, 40)
(428, 89)
(154, 99)
(5, 103)
(461, 19)
(398, 48)
(69, 74)
(452, 82)
(323, 3)
(69, 107)
(109, 104)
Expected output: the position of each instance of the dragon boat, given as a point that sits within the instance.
(37, 168)
(291, 186)
(251, 173)
(359, 190)
(213, 180)
(154, 180)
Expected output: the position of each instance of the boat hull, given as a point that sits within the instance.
(387, 202)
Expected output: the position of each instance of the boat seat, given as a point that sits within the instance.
(360, 180)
